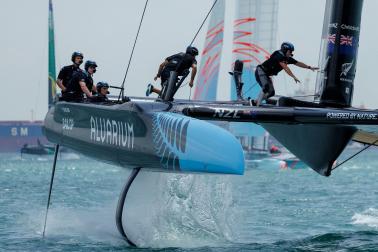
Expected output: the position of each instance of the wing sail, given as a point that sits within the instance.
(206, 87)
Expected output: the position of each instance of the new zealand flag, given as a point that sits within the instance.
(348, 44)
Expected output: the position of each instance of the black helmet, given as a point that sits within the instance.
(238, 66)
(89, 63)
(192, 50)
(286, 46)
(102, 84)
(76, 54)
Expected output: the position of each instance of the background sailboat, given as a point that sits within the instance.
(40, 146)
(254, 30)
(26, 136)
(208, 74)
(51, 56)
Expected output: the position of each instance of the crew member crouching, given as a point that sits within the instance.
(180, 63)
(102, 92)
(279, 60)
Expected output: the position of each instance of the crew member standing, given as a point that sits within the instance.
(66, 73)
(81, 83)
(279, 60)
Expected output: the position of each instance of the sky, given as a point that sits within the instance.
(105, 30)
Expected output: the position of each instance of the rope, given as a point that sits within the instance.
(195, 36)
(190, 93)
(363, 149)
(245, 92)
(132, 52)
(302, 96)
(184, 85)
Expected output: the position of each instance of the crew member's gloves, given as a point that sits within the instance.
(313, 68)
(296, 80)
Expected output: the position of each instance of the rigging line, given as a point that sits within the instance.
(184, 85)
(132, 52)
(302, 96)
(203, 22)
(245, 92)
(363, 149)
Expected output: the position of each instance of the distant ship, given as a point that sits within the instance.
(14, 135)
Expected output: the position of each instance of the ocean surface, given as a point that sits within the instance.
(267, 209)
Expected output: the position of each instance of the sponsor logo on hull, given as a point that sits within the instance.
(352, 116)
(344, 27)
(345, 68)
(112, 132)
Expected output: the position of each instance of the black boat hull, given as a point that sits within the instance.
(143, 134)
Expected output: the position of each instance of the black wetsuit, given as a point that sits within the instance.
(178, 62)
(99, 98)
(271, 67)
(66, 74)
(74, 92)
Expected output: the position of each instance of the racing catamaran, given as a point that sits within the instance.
(172, 136)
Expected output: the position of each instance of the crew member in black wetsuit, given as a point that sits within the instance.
(272, 66)
(81, 83)
(237, 74)
(179, 62)
(102, 92)
(66, 73)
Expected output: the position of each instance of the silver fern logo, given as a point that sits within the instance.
(345, 68)
(169, 136)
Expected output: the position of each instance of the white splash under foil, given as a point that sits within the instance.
(164, 210)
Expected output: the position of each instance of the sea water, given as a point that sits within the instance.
(266, 209)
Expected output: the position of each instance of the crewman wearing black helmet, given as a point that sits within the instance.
(81, 83)
(272, 66)
(180, 63)
(102, 92)
(66, 73)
